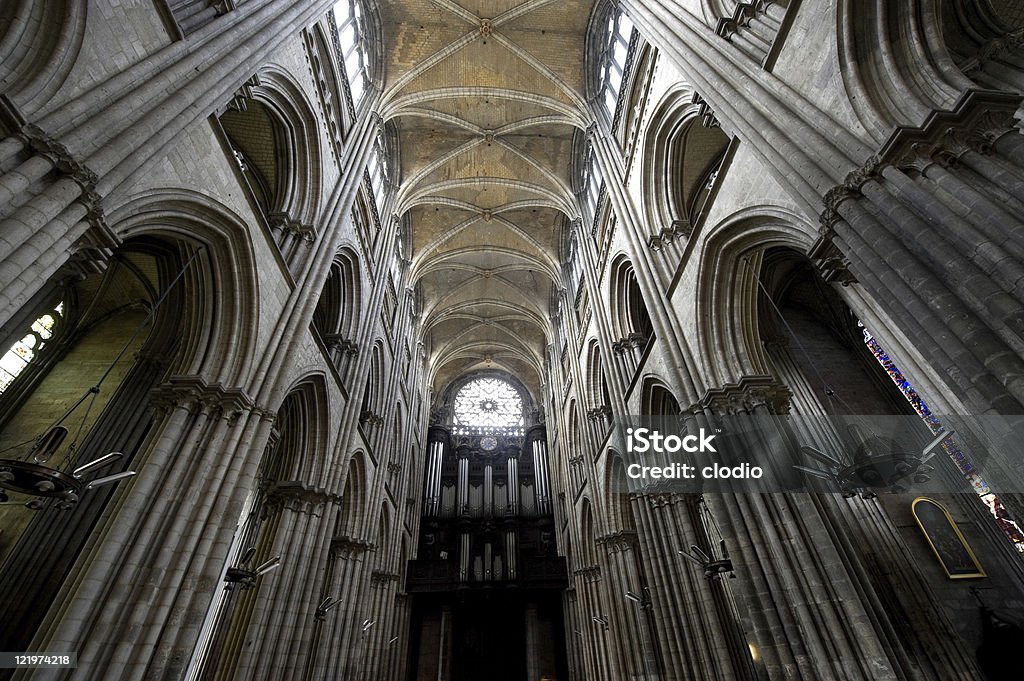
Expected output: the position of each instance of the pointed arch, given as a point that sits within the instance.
(353, 498)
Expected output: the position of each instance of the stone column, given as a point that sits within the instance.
(464, 556)
(695, 633)
(338, 653)
(834, 587)
(194, 420)
(101, 139)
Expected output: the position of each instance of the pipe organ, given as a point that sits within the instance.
(486, 499)
(486, 550)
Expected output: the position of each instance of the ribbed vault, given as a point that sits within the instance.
(486, 96)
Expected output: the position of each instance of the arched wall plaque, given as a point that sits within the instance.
(946, 540)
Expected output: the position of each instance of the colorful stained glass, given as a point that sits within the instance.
(951, 445)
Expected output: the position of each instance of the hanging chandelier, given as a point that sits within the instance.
(877, 464)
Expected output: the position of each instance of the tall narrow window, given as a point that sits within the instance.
(348, 18)
(593, 182)
(613, 60)
(951, 446)
(24, 351)
(377, 168)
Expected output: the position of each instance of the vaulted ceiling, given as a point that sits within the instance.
(486, 96)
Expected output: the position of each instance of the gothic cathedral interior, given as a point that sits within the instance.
(339, 340)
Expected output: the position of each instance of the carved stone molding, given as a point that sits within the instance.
(977, 120)
(704, 110)
(619, 542)
(600, 413)
(67, 164)
(379, 578)
(849, 189)
(222, 7)
(299, 497)
(829, 260)
(634, 341)
(371, 418)
(745, 396)
(589, 573)
(349, 547)
(195, 394)
(662, 499)
(240, 99)
(293, 226)
(336, 341)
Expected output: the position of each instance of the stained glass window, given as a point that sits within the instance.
(950, 445)
(488, 403)
(25, 350)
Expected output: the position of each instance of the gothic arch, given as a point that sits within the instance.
(680, 154)
(274, 134)
(354, 498)
(38, 50)
(894, 63)
(302, 429)
(726, 300)
(301, 190)
(220, 336)
(587, 553)
(656, 399)
(629, 309)
(384, 536)
(337, 310)
(596, 384)
(616, 494)
(373, 393)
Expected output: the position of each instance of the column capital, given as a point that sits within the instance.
(745, 396)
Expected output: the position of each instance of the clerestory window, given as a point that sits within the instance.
(348, 17)
(613, 60)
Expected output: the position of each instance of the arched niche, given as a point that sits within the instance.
(353, 499)
(617, 495)
(657, 400)
(587, 550)
(631, 320)
(596, 387)
(683, 151)
(275, 139)
(337, 314)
